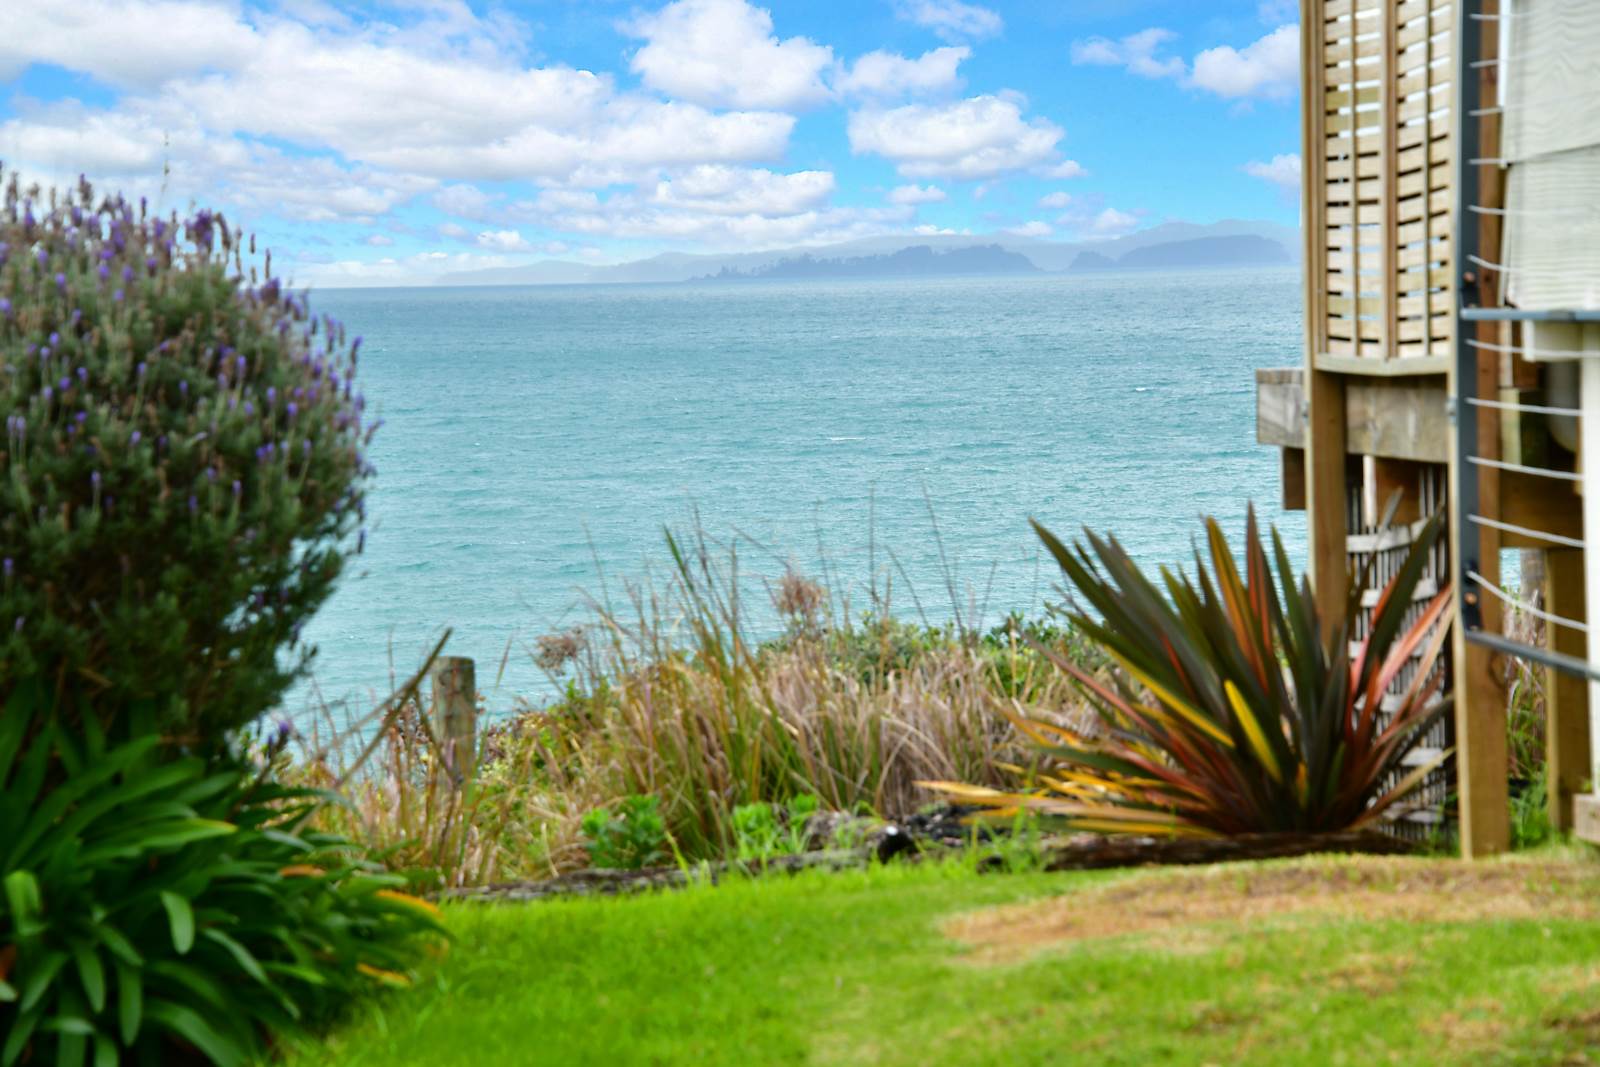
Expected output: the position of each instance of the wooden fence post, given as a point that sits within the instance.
(455, 713)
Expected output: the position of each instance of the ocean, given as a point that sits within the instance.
(531, 432)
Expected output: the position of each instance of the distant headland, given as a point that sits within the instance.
(1169, 246)
(918, 261)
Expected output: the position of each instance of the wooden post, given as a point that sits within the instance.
(1481, 759)
(1566, 695)
(1325, 481)
(455, 714)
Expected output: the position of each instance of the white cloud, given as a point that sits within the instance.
(1270, 67)
(1277, 12)
(1066, 170)
(980, 137)
(379, 240)
(718, 190)
(442, 98)
(633, 139)
(1136, 52)
(916, 194)
(172, 165)
(371, 94)
(129, 43)
(503, 241)
(391, 270)
(1112, 223)
(1267, 68)
(951, 19)
(453, 231)
(723, 53)
(1035, 228)
(888, 74)
(464, 201)
(1055, 200)
(1281, 170)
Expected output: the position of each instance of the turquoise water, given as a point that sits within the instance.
(530, 430)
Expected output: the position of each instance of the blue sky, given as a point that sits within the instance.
(375, 143)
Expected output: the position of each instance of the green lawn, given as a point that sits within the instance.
(862, 968)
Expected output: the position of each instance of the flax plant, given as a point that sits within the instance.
(1230, 711)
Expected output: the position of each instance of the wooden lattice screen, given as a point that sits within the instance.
(1378, 86)
(1383, 101)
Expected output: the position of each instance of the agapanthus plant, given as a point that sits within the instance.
(1232, 709)
(182, 468)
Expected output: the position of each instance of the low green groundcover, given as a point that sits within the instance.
(1347, 960)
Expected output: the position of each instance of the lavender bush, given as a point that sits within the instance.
(182, 470)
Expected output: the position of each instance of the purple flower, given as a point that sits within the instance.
(55, 339)
(5, 306)
(133, 438)
(293, 409)
(127, 274)
(104, 272)
(65, 384)
(17, 626)
(44, 257)
(194, 505)
(117, 296)
(44, 353)
(94, 480)
(83, 374)
(237, 488)
(249, 408)
(61, 281)
(183, 388)
(9, 567)
(211, 474)
(272, 395)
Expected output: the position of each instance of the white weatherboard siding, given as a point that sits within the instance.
(1552, 231)
(1551, 101)
(1551, 91)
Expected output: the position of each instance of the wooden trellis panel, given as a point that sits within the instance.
(1380, 231)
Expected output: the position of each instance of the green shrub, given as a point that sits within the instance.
(1229, 711)
(156, 910)
(182, 463)
(761, 832)
(635, 836)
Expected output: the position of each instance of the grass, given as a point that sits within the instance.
(870, 968)
(674, 690)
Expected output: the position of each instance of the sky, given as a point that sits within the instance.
(389, 143)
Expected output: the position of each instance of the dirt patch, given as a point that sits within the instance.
(1167, 907)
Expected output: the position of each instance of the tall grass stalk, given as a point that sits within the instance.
(669, 691)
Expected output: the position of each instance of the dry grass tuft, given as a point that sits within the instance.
(669, 692)
(1165, 909)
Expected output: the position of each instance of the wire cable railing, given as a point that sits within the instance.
(1481, 529)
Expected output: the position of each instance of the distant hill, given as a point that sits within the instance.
(1043, 255)
(919, 261)
(1243, 250)
(1093, 261)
